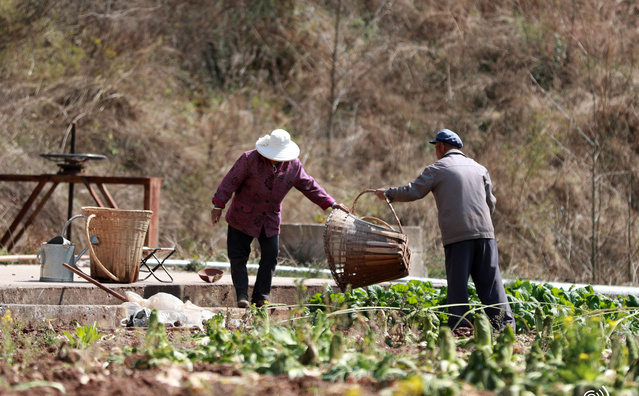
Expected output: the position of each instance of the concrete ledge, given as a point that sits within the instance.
(104, 316)
(213, 295)
(111, 316)
(224, 295)
(20, 285)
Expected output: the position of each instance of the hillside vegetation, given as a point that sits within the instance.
(543, 93)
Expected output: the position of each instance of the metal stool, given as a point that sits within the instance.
(150, 253)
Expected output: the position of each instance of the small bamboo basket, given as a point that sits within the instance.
(121, 233)
(361, 253)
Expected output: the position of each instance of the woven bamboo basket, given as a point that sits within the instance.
(121, 233)
(361, 253)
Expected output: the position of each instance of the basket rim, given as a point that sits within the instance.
(114, 210)
(332, 222)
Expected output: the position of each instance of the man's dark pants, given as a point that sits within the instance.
(479, 259)
(238, 245)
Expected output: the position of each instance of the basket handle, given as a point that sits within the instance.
(372, 218)
(92, 252)
(382, 222)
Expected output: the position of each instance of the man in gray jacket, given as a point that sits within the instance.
(465, 203)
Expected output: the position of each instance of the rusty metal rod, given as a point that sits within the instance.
(95, 282)
(71, 185)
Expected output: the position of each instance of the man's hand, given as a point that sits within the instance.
(340, 207)
(380, 194)
(216, 213)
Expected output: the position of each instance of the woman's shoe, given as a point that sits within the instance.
(260, 303)
(242, 301)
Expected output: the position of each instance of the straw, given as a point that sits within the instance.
(361, 253)
(121, 235)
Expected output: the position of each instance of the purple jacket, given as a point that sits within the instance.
(259, 191)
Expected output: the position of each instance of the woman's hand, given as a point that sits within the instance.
(216, 213)
(340, 207)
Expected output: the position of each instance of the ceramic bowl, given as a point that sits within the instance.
(210, 275)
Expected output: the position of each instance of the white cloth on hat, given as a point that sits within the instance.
(278, 146)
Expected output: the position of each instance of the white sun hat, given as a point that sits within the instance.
(278, 146)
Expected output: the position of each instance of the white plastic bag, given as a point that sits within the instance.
(171, 311)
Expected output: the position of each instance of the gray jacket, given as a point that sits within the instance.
(463, 194)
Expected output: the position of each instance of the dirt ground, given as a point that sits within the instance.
(42, 366)
(38, 369)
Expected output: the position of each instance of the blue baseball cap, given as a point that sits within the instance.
(448, 137)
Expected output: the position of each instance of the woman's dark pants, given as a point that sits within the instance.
(477, 258)
(239, 249)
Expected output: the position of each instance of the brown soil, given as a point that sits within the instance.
(38, 368)
(89, 371)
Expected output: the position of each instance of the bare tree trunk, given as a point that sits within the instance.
(333, 99)
(594, 218)
(632, 275)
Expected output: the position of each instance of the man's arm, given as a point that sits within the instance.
(413, 191)
(490, 198)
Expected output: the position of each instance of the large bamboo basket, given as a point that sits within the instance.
(121, 234)
(361, 253)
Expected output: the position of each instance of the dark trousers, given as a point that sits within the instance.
(238, 245)
(477, 258)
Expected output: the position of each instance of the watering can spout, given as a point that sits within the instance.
(94, 241)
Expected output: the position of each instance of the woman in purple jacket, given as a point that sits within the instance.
(260, 179)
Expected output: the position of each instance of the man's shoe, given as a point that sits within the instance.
(260, 303)
(242, 301)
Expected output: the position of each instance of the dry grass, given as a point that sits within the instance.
(179, 90)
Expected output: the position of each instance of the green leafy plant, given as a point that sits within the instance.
(534, 305)
(84, 336)
(195, 265)
(569, 353)
(7, 346)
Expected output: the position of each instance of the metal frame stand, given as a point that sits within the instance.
(151, 254)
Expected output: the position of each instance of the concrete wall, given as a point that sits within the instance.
(305, 243)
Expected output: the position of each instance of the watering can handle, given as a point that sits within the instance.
(92, 253)
(68, 223)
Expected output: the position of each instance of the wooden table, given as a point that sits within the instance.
(151, 199)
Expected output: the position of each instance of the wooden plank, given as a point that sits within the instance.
(78, 178)
(152, 186)
(107, 195)
(19, 257)
(29, 257)
(93, 193)
(152, 203)
(23, 211)
(32, 217)
(24, 178)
